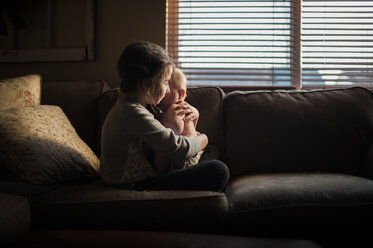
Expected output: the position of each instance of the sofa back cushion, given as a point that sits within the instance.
(208, 101)
(20, 91)
(78, 100)
(297, 131)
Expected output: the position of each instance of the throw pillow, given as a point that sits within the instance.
(20, 91)
(40, 145)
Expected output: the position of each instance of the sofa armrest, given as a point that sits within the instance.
(15, 218)
(368, 163)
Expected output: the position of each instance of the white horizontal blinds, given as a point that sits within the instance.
(233, 42)
(337, 42)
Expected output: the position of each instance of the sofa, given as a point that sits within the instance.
(301, 165)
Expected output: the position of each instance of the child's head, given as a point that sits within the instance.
(178, 85)
(145, 69)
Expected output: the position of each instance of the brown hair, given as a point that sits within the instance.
(143, 65)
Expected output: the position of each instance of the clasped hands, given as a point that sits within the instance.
(181, 109)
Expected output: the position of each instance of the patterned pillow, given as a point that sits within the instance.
(40, 145)
(20, 91)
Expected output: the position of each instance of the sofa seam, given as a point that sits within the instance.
(129, 200)
(301, 205)
(23, 204)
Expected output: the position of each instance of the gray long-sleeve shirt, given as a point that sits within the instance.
(127, 127)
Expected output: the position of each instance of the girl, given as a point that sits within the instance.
(131, 134)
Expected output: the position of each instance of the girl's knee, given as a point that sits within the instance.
(221, 169)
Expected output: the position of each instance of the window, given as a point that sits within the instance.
(337, 42)
(272, 42)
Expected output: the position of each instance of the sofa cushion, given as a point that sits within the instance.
(11, 184)
(39, 145)
(104, 207)
(298, 131)
(78, 99)
(284, 199)
(141, 239)
(208, 101)
(14, 218)
(20, 91)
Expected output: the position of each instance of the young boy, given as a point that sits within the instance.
(177, 122)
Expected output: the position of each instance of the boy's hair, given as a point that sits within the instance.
(143, 60)
(176, 76)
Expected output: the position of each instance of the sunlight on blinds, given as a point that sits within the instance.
(232, 42)
(337, 42)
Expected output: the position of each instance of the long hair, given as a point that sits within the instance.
(142, 66)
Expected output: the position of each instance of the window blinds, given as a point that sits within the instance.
(337, 42)
(233, 42)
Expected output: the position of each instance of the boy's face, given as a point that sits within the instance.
(176, 83)
(170, 98)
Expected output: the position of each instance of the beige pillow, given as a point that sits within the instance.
(40, 145)
(20, 91)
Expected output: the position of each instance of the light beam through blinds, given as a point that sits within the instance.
(337, 42)
(232, 42)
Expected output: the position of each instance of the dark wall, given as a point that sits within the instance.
(118, 22)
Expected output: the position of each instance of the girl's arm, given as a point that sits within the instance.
(141, 124)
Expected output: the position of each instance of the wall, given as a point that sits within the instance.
(118, 22)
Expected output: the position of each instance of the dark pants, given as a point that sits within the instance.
(211, 175)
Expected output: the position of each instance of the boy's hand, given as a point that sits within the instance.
(172, 118)
(172, 112)
(191, 113)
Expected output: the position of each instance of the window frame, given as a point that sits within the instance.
(50, 54)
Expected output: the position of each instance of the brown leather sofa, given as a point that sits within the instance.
(301, 167)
